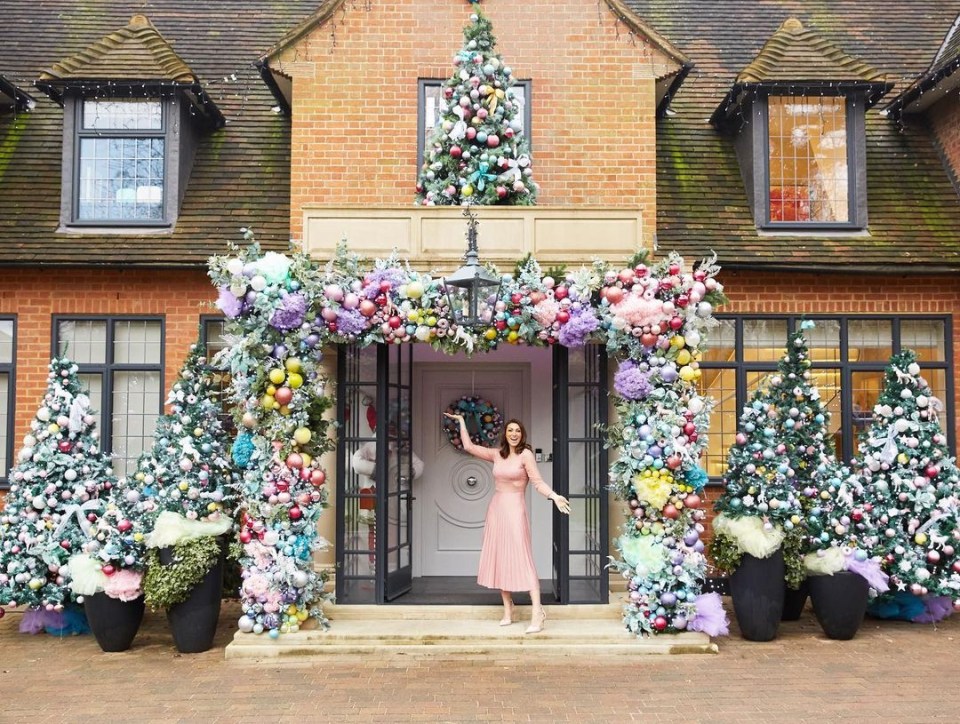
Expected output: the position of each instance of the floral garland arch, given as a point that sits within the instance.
(481, 415)
(283, 309)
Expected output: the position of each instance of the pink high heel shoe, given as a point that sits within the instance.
(537, 621)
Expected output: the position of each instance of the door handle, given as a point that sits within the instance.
(471, 482)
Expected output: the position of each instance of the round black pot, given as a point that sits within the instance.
(114, 622)
(757, 591)
(794, 601)
(839, 603)
(193, 622)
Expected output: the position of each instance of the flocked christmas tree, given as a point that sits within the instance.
(802, 425)
(54, 495)
(478, 153)
(192, 474)
(759, 505)
(914, 485)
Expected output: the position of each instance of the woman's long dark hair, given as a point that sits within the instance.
(521, 446)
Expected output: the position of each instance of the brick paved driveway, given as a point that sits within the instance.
(890, 672)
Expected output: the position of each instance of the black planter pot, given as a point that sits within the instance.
(757, 591)
(839, 603)
(794, 601)
(193, 622)
(114, 622)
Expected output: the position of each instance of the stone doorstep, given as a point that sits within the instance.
(336, 613)
(450, 636)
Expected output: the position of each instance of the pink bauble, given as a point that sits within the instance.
(295, 513)
(124, 525)
(367, 308)
(614, 295)
(294, 460)
(333, 292)
(318, 477)
(351, 301)
(493, 141)
(670, 511)
(626, 275)
(283, 395)
(692, 501)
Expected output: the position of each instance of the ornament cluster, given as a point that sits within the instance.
(482, 417)
(478, 153)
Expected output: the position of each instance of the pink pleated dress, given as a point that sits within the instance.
(506, 558)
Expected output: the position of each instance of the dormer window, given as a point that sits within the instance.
(120, 161)
(808, 163)
(133, 112)
(797, 117)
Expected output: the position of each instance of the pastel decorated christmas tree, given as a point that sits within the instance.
(190, 470)
(478, 153)
(54, 495)
(913, 484)
(759, 505)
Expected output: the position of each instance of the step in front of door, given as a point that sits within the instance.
(591, 611)
(428, 637)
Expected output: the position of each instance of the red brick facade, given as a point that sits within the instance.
(945, 119)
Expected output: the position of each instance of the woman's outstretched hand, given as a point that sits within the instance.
(453, 417)
(563, 505)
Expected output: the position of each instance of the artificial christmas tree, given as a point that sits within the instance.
(757, 510)
(194, 493)
(914, 485)
(478, 153)
(54, 495)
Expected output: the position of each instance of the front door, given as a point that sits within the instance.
(455, 488)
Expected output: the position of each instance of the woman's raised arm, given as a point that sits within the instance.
(478, 451)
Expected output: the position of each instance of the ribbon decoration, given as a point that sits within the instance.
(79, 511)
(495, 97)
(78, 407)
(459, 129)
(480, 177)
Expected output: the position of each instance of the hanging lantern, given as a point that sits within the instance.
(472, 290)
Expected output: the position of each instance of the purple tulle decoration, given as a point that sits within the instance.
(936, 608)
(350, 322)
(393, 276)
(229, 304)
(290, 314)
(710, 617)
(582, 322)
(870, 571)
(631, 383)
(36, 619)
(67, 622)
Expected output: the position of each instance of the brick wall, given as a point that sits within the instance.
(945, 118)
(355, 101)
(34, 295)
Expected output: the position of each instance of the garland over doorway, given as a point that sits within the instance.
(282, 310)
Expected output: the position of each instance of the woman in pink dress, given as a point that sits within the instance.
(506, 558)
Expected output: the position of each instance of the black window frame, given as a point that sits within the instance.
(856, 157)
(75, 132)
(10, 368)
(108, 368)
(846, 368)
(424, 83)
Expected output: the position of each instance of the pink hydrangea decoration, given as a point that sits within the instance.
(125, 585)
(640, 312)
(545, 311)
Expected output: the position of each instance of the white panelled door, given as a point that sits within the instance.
(453, 493)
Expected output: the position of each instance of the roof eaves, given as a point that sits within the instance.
(628, 16)
(22, 101)
(897, 108)
(269, 76)
(321, 15)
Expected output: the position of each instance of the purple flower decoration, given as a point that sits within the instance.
(632, 383)
(582, 322)
(350, 322)
(229, 304)
(291, 312)
(395, 277)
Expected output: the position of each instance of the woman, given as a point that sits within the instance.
(506, 558)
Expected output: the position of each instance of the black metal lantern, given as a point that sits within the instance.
(470, 287)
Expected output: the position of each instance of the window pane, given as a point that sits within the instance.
(136, 342)
(122, 114)
(721, 385)
(136, 405)
(827, 382)
(213, 331)
(808, 159)
(83, 341)
(721, 342)
(121, 179)
(764, 339)
(823, 340)
(93, 384)
(432, 96)
(6, 341)
(926, 337)
(867, 387)
(869, 340)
